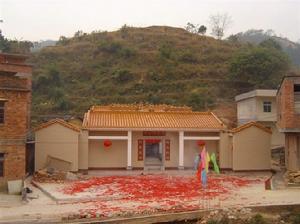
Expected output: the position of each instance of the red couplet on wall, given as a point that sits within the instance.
(167, 149)
(140, 150)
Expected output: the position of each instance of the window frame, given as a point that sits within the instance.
(296, 98)
(2, 111)
(2, 161)
(267, 106)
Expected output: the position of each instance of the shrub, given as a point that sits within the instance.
(110, 47)
(122, 76)
(212, 221)
(257, 219)
(165, 51)
(199, 101)
(127, 52)
(188, 57)
(296, 219)
(63, 104)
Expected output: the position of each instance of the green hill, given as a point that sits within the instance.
(150, 65)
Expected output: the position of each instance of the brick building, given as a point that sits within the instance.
(15, 102)
(288, 118)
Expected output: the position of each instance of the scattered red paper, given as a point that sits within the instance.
(154, 193)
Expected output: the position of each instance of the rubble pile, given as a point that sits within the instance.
(50, 176)
(293, 177)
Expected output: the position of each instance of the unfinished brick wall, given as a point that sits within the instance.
(14, 166)
(287, 118)
(15, 91)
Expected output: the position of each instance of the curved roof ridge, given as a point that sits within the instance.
(154, 112)
(250, 124)
(57, 121)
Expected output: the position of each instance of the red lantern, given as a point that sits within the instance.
(201, 143)
(107, 143)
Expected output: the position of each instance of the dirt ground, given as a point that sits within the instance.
(110, 196)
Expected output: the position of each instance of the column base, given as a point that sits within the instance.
(129, 168)
(181, 167)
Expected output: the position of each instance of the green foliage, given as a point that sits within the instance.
(187, 56)
(202, 30)
(257, 219)
(259, 66)
(154, 64)
(14, 46)
(296, 219)
(270, 43)
(212, 221)
(195, 28)
(110, 47)
(63, 41)
(199, 100)
(4, 43)
(224, 220)
(62, 104)
(165, 51)
(122, 76)
(124, 30)
(116, 48)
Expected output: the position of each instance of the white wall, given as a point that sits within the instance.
(56, 141)
(246, 110)
(266, 116)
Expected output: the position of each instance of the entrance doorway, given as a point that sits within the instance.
(153, 152)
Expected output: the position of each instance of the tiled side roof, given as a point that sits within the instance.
(250, 124)
(185, 119)
(57, 121)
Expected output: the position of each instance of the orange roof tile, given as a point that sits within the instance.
(57, 121)
(250, 124)
(145, 117)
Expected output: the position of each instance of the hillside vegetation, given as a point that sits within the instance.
(132, 65)
(257, 36)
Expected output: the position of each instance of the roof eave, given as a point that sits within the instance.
(155, 129)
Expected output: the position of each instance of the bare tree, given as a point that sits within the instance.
(219, 24)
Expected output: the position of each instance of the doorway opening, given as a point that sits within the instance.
(153, 152)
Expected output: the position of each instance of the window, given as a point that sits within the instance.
(267, 106)
(297, 98)
(2, 103)
(1, 164)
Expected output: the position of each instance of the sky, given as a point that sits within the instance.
(36, 20)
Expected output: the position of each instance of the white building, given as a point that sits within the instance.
(260, 105)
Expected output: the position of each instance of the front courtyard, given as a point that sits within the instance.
(121, 194)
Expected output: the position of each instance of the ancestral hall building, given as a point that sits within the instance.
(15, 103)
(130, 137)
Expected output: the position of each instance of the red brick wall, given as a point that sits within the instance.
(14, 161)
(16, 111)
(17, 93)
(287, 118)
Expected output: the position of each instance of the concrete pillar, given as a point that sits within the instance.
(292, 152)
(83, 151)
(129, 150)
(181, 150)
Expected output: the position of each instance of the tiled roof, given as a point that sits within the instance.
(57, 121)
(250, 124)
(146, 117)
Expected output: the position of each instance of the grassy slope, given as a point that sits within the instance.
(167, 65)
